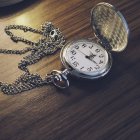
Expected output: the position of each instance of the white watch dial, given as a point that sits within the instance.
(87, 57)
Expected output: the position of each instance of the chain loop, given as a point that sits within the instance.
(60, 78)
(51, 40)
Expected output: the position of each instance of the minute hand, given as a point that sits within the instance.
(83, 53)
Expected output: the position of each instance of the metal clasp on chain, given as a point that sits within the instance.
(59, 78)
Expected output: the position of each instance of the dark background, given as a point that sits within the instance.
(105, 109)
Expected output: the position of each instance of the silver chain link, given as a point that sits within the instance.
(51, 40)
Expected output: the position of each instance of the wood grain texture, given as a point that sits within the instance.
(105, 109)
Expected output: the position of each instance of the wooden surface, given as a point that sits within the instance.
(105, 109)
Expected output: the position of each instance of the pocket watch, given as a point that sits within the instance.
(82, 58)
(91, 58)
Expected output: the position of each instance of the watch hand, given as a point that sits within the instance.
(90, 58)
(94, 61)
(83, 53)
(92, 55)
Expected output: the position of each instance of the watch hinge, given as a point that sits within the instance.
(103, 42)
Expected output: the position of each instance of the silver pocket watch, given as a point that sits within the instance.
(91, 58)
(83, 58)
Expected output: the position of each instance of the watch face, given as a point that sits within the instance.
(86, 57)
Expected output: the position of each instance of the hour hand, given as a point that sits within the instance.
(92, 55)
(91, 59)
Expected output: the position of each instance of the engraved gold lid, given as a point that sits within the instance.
(110, 27)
